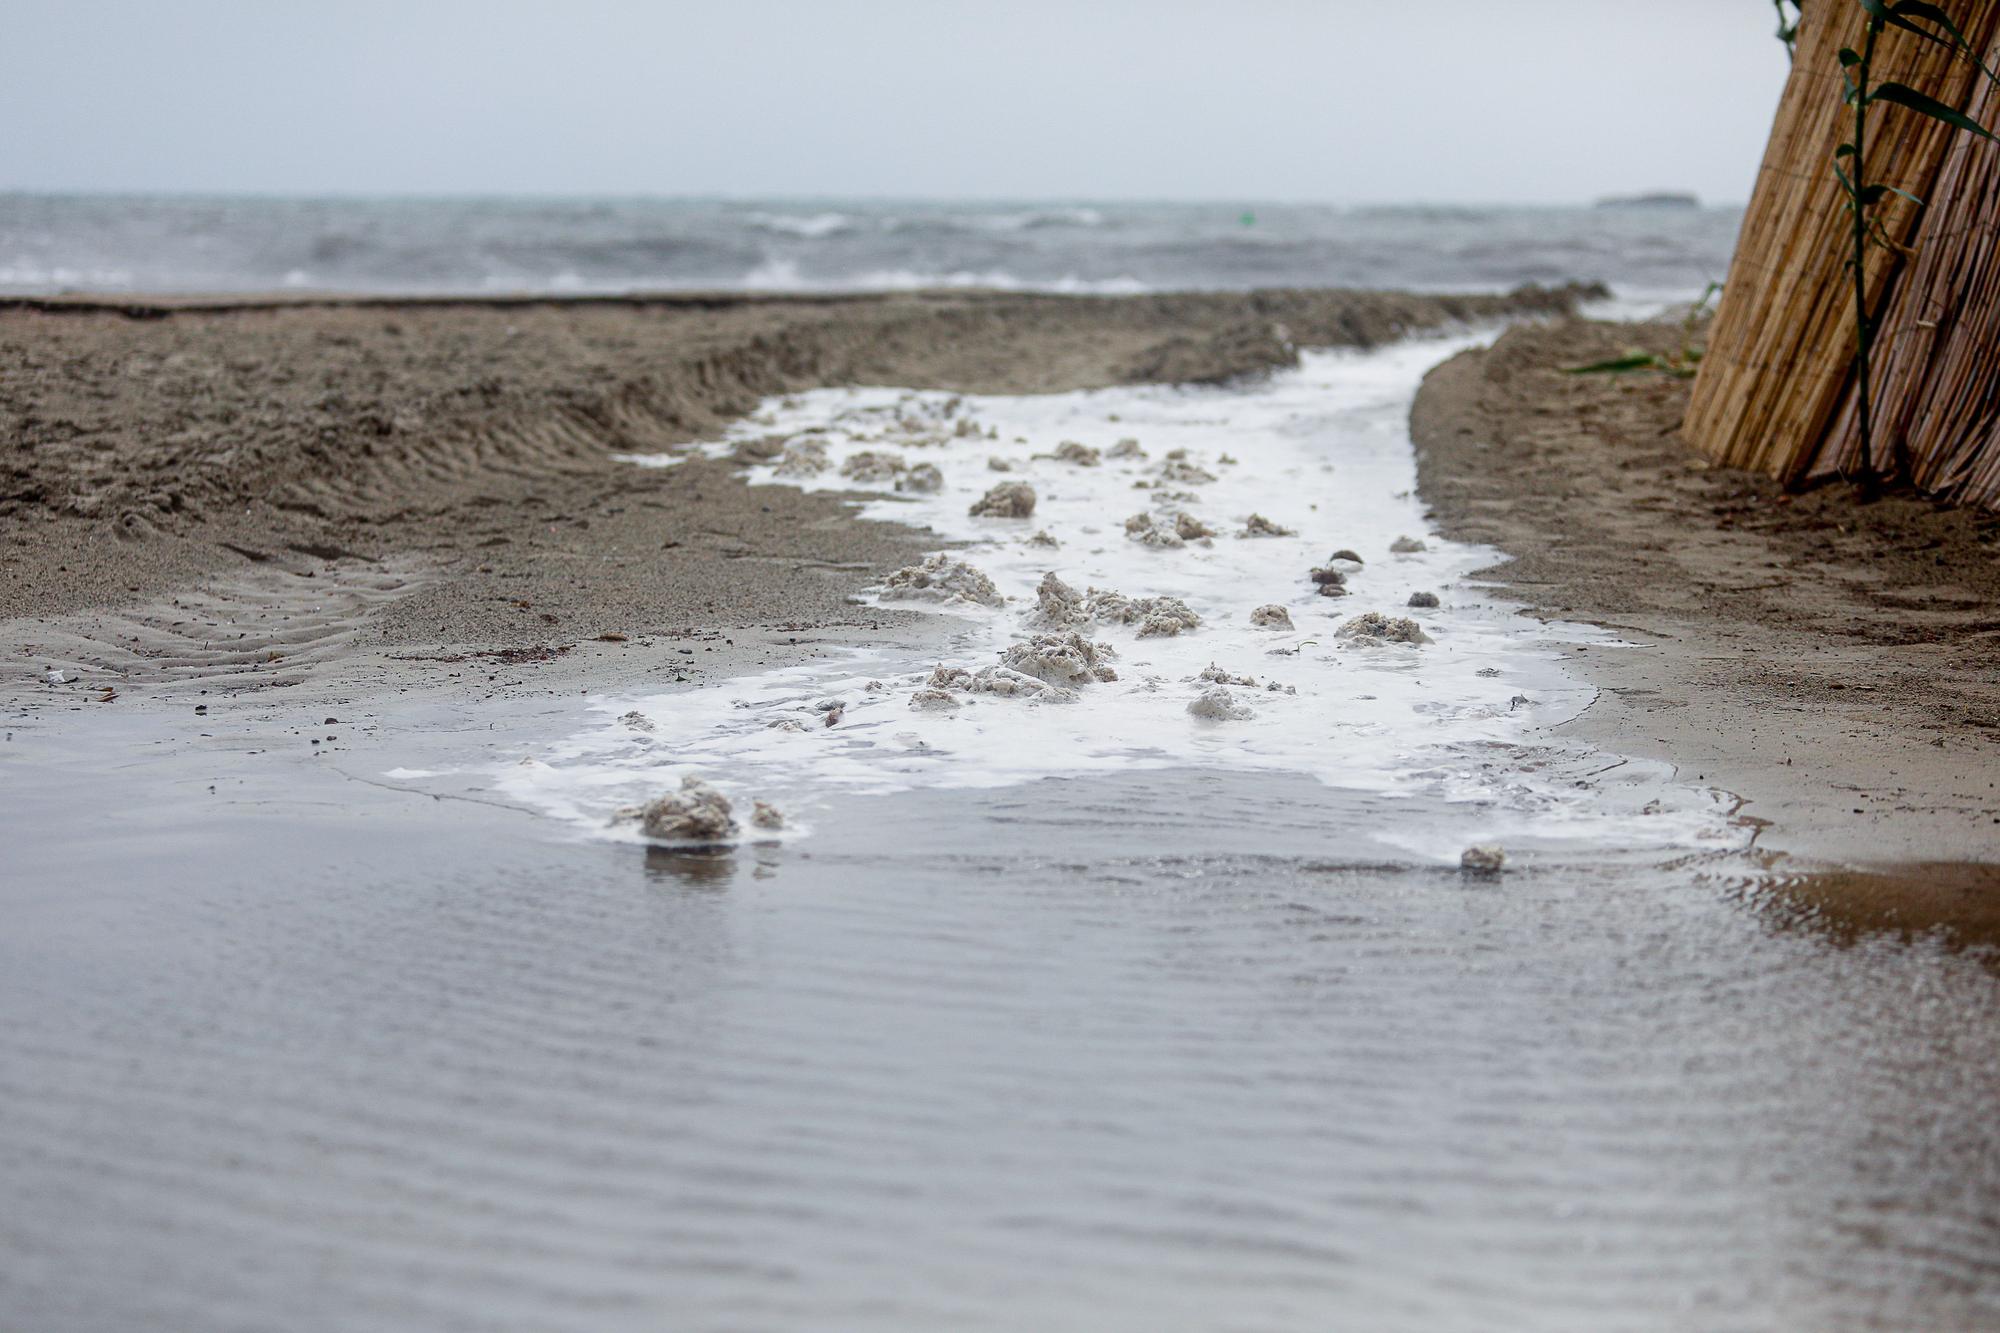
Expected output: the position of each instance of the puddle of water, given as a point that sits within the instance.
(1154, 1049)
(1322, 451)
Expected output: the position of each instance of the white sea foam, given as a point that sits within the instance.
(811, 226)
(1322, 451)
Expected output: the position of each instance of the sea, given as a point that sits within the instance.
(150, 243)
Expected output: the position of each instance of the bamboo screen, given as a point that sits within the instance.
(1775, 392)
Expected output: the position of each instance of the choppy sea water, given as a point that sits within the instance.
(163, 244)
(1086, 1014)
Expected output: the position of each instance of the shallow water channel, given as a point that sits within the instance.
(1073, 1014)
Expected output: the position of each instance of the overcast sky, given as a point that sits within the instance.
(1338, 100)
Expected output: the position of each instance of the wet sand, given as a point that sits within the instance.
(245, 493)
(356, 496)
(1830, 661)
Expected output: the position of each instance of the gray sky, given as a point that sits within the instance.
(1477, 100)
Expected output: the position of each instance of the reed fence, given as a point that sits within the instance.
(1776, 388)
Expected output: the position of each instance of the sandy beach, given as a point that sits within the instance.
(351, 637)
(337, 494)
(1829, 661)
(443, 472)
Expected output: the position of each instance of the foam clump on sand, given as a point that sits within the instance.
(1060, 606)
(637, 720)
(924, 479)
(1259, 526)
(1407, 546)
(1057, 604)
(1069, 451)
(1271, 617)
(1483, 860)
(1000, 681)
(1170, 532)
(1010, 499)
(941, 578)
(1178, 471)
(803, 458)
(1126, 448)
(1426, 600)
(1155, 616)
(872, 467)
(764, 815)
(763, 450)
(695, 813)
(1218, 705)
(1215, 675)
(1148, 531)
(1065, 658)
(1375, 627)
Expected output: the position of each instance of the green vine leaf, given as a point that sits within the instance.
(1905, 96)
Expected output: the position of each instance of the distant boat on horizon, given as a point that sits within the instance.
(1658, 199)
